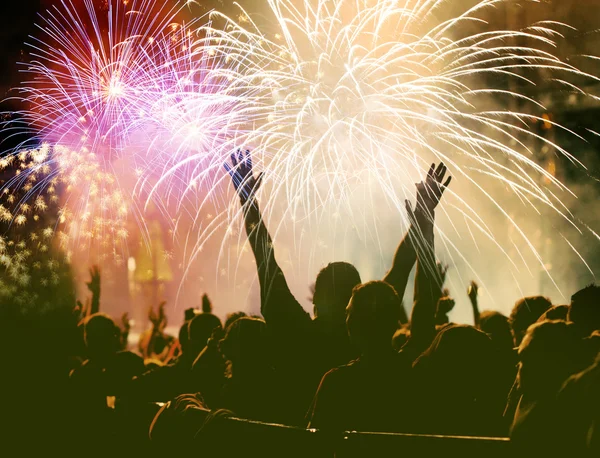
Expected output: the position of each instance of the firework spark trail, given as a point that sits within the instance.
(354, 91)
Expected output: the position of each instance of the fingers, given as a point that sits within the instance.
(440, 172)
(259, 181)
(431, 171)
(445, 185)
(234, 161)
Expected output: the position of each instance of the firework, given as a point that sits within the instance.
(32, 271)
(124, 104)
(358, 97)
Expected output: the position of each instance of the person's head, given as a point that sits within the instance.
(372, 316)
(549, 353)
(124, 366)
(585, 309)
(497, 327)
(200, 329)
(556, 312)
(526, 312)
(189, 314)
(245, 343)
(101, 335)
(461, 358)
(333, 289)
(232, 317)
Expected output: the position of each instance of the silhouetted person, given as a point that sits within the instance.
(550, 353)
(92, 383)
(456, 385)
(367, 394)
(497, 327)
(526, 312)
(102, 339)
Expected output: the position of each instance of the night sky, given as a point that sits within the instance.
(17, 22)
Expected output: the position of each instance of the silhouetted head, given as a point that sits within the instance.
(460, 358)
(549, 354)
(526, 312)
(372, 316)
(333, 289)
(232, 317)
(245, 343)
(556, 312)
(585, 309)
(124, 366)
(200, 328)
(102, 336)
(497, 327)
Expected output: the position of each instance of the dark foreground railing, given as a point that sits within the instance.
(202, 434)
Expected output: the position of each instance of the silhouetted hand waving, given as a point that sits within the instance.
(240, 170)
(429, 192)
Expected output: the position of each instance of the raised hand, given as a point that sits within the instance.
(94, 287)
(242, 176)
(429, 192)
(472, 291)
(445, 305)
(94, 283)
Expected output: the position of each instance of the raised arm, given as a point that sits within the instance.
(404, 260)
(94, 288)
(277, 301)
(406, 253)
(427, 281)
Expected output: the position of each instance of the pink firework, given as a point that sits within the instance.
(120, 92)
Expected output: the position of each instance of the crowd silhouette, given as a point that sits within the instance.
(358, 364)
